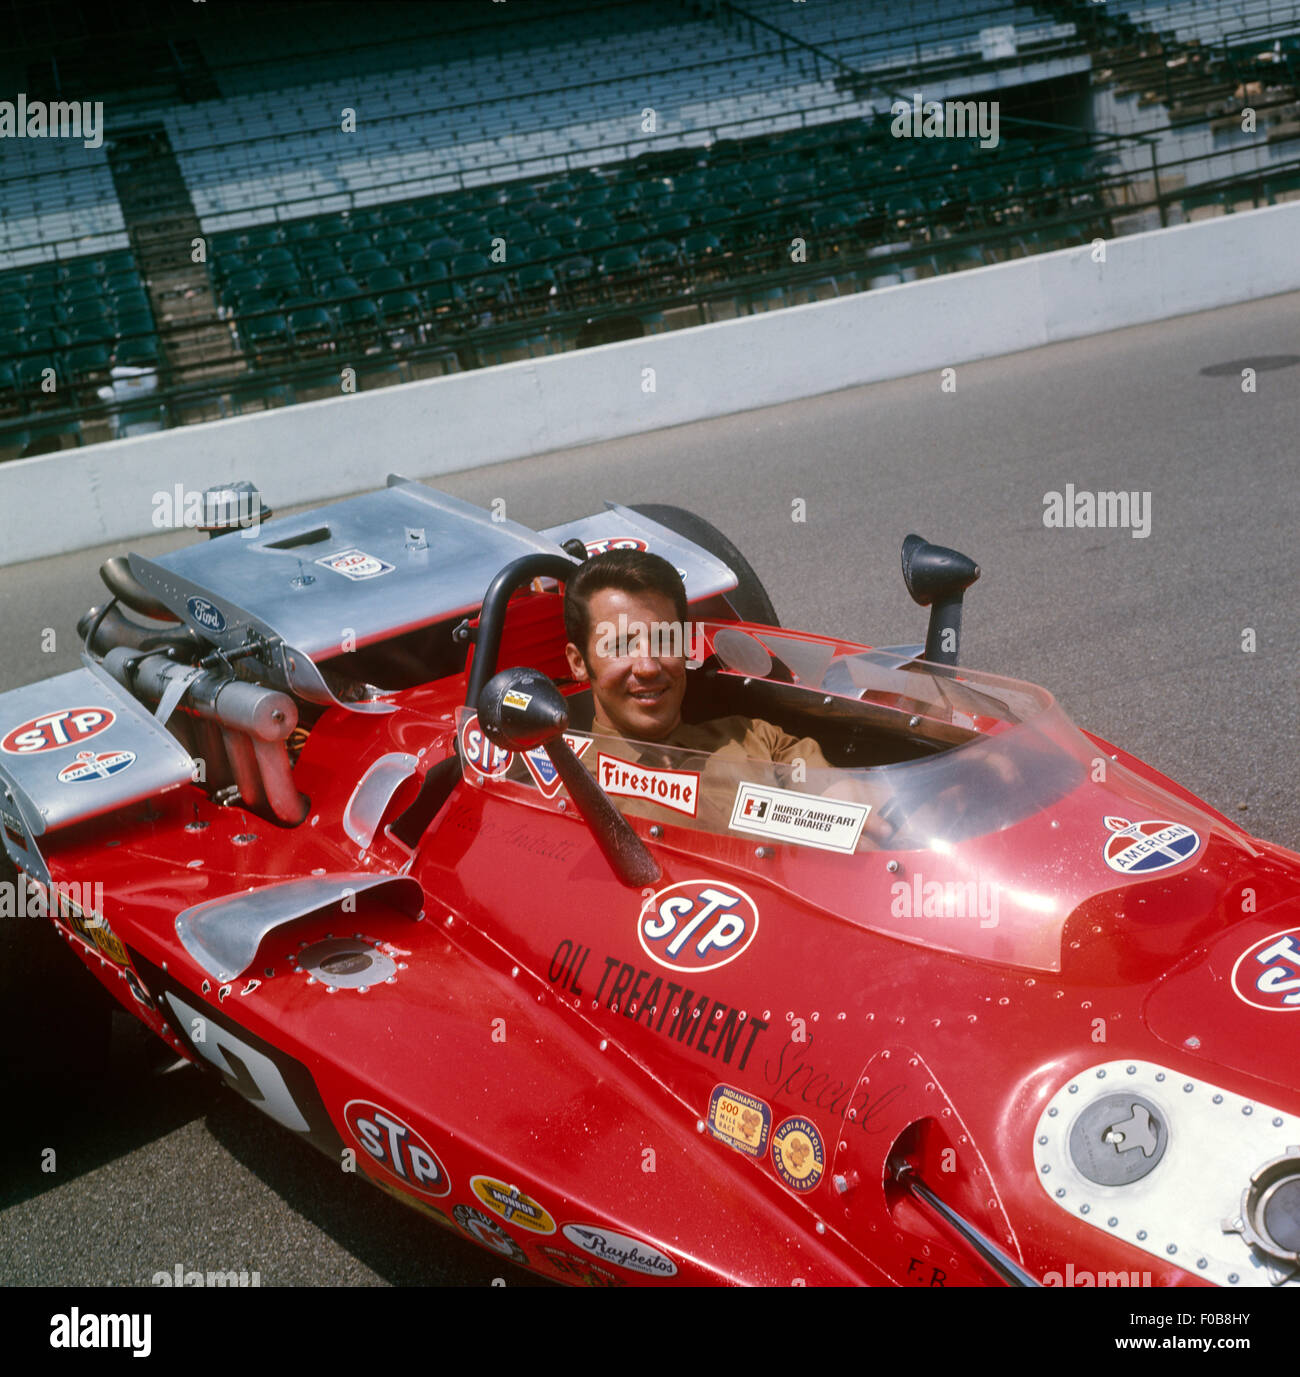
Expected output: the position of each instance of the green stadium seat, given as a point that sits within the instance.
(385, 279)
(367, 260)
(311, 325)
(89, 361)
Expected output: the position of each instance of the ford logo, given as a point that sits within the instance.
(207, 614)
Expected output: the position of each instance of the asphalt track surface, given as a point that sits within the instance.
(1140, 639)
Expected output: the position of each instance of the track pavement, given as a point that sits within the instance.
(1140, 639)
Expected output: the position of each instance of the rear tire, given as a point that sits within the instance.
(749, 597)
(55, 1017)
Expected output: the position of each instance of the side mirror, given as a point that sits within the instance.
(937, 577)
(521, 709)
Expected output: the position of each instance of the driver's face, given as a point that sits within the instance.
(637, 694)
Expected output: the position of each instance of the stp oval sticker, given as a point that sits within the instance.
(396, 1147)
(1267, 975)
(697, 925)
(54, 730)
(480, 753)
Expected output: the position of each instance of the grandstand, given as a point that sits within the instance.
(288, 200)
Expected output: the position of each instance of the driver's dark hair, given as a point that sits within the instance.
(630, 571)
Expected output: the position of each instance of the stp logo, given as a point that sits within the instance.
(1267, 975)
(697, 925)
(397, 1147)
(54, 730)
(598, 547)
(478, 751)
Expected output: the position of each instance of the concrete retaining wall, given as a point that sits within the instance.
(326, 449)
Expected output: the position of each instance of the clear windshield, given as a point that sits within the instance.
(983, 821)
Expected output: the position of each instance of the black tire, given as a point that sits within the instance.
(55, 1017)
(749, 597)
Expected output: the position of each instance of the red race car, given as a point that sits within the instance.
(980, 999)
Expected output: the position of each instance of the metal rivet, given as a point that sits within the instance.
(1142, 1233)
(656, 831)
(892, 867)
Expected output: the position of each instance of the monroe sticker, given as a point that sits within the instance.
(512, 1205)
(786, 815)
(675, 789)
(740, 1120)
(798, 1154)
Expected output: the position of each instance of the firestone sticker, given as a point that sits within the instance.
(675, 789)
(619, 1250)
(740, 1120)
(1142, 848)
(512, 1205)
(356, 565)
(787, 815)
(1267, 975)
(90, 765)
(798, 1154)
(697, 925)
(55, 730)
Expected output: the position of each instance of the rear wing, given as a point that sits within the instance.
(72, 748)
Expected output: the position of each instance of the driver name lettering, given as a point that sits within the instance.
(675, 789)
(793, 1076)
(670, 1008)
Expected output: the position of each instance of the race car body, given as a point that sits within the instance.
(987, 1001)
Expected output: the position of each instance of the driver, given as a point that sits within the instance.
(637, 689)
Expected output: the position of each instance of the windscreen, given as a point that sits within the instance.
(999, 820)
